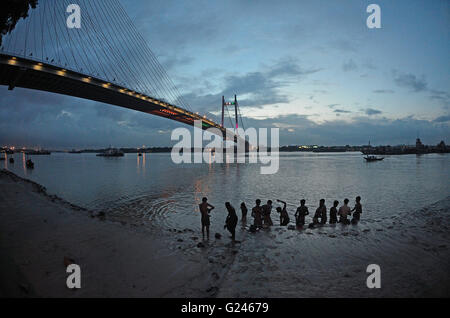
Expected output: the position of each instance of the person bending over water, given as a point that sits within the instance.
(267, 209)
(300, 214)
(244, 211)
(231, 221)
(257, 214)
(284, 216)
(321, 213)
(344, 211)
(357, 210)
(205, 209)
(333, 212)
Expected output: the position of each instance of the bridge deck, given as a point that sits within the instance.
(20, 72)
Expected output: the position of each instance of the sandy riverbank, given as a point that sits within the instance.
(38, 230)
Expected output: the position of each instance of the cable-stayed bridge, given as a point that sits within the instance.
(106, 60)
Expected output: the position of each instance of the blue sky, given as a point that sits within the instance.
(311, 68)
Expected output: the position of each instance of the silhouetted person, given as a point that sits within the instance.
(257, 214)
(205, 209)
(231, 221)
(244, 211)
(300, 214)
(267, 209)
(333, 212)
(344, 211)
(284, 216)
(357, 211)
(321, 213)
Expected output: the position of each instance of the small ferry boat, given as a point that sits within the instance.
(111, 152)
(373, 158)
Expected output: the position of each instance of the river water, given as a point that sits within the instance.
(404, 228)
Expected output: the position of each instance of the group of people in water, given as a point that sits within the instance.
(262, 215)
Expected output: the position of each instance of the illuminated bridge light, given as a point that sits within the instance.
(168, 112)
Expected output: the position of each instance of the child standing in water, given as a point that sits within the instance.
(333, 212)
(244, 211)
(357, 210)
(344, 211)
(300, 214)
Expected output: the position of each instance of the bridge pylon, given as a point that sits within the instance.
(227, 104)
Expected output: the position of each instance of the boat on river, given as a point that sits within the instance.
(373, 158)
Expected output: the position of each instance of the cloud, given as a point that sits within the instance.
(356, 132)
(442, 119)
(371, 111)
(344, 46)
(25, 122)
(262, 87)
(173, 62)
(349, 65)
(341, 111)
(384, 91)
(410, 81)
(442, 97)
(333, 105)
(439, 95)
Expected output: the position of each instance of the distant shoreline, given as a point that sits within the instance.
(374, 151)
(418, 149)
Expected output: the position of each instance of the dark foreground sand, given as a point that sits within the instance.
(37, 231)
(119, 259)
